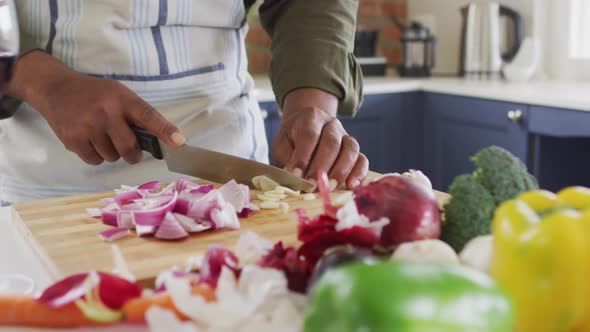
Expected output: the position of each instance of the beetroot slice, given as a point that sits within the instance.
(324, 188)
(215, 259)
(296, 269)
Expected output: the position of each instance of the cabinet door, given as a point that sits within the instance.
(380, 130)
(456, 128)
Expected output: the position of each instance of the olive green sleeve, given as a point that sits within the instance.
(312, 47)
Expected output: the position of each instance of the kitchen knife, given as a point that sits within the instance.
(215, 166)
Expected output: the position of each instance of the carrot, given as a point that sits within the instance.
(25, 310)
(134, 310)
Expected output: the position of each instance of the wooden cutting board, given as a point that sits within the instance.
(65, 238)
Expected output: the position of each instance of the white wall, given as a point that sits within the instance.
(447, 26)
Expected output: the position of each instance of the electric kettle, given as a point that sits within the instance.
(483, 34)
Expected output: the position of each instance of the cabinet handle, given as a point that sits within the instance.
(515, 116)
(264, 114)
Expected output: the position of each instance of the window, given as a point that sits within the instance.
(579, 29)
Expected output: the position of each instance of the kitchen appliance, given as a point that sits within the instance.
(215, 166)
(365, 52)
(418, 50)
(9, 41)
(484, 31)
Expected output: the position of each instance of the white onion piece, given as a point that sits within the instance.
(477, 253)
(171, 229)
(163, 320)
(426, 251)
(114, 234)
(348, 217)
(251, 247)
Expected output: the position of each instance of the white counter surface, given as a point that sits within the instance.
(557, 94)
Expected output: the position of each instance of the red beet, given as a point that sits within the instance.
(296, 269)
(412, 209)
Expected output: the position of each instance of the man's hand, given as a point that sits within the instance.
(91, 116)
(311, 138)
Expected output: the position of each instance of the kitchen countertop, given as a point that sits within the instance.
(559, 94)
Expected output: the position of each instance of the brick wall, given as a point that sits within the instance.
(373, 14)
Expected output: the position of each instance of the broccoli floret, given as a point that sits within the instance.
(469, 212)
(499, 176)
(503, 174)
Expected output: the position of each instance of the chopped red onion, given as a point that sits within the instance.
(114, 234)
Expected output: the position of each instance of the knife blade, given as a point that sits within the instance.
(215, 166)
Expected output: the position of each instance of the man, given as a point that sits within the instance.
(178, 68)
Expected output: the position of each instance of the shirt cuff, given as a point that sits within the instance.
(318, 64)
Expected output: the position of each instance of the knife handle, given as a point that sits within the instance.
(148, 142)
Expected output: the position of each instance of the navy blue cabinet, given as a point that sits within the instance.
(559, 145)
(380, 127)
(272, 120)
(455, 128)
(438, 133)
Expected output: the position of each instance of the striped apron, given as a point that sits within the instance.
(185, 57)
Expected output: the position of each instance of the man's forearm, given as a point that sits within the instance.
(312, 45)
(34, 72)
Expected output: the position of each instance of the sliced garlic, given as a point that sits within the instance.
(285, 207)
(268, 205)
(341, 200)
(275, 195)
(308, 197)
(288, 191)
(264, 183)
(265, 198)
(278, 189)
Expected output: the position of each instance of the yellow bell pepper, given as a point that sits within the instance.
(542, 258)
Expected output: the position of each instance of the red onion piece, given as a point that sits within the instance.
(201, 208)
(154, 217)
(151, 186)
(238, 195)
(171, 229)
(225, 217)
(145, 230)
(109, 218)
(126, 197)
(69, 289)
(191, 225)
(204, 189)
(114, 234)
(125, 219)
(215, 258)
(94, 212)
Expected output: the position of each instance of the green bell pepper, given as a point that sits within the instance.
(407, 297)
